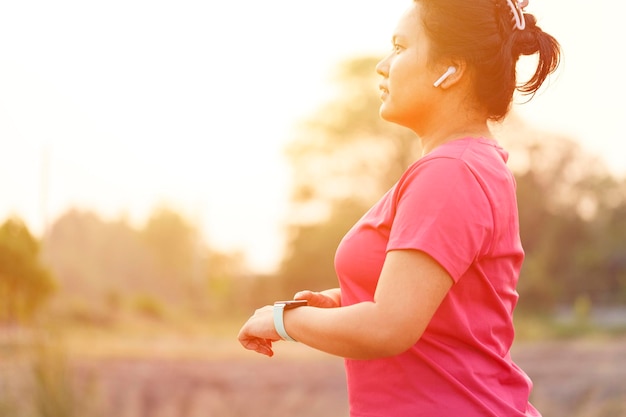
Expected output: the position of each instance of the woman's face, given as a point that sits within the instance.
(407, 90)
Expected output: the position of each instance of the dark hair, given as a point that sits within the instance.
(483, 34)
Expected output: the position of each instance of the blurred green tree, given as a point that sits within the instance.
(211, 280)
(571, 220)
(25, 283)
(94, 258)
(105, 265)
(174, 242)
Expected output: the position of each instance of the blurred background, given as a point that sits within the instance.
(168, 167)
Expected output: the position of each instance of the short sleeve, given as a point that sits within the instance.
(442, 210)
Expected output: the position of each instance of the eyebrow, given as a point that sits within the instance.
(397, 38)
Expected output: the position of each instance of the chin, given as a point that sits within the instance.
(384, 113)
(387, 115)
(401, 119)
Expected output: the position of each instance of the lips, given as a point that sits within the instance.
(383, 90)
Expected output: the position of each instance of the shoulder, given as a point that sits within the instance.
(473, 160)
(436, 171)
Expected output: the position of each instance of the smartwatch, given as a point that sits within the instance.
(279, 309)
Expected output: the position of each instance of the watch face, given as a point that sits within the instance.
(292, 303)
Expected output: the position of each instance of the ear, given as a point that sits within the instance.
(453, 77)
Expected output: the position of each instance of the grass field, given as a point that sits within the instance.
(189, 368)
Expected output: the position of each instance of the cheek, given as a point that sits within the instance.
(409, 100)
(406, 81)
(406, 92)
(399, 78)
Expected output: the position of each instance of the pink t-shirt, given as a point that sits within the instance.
(458, 205)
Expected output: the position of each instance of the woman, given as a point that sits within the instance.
(427, 277)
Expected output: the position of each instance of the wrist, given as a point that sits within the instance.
(279, 312)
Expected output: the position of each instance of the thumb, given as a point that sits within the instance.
(303, 295)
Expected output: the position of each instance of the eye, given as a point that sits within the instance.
(396, 48)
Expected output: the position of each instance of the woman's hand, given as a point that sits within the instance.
(324, 299)
(258, 332)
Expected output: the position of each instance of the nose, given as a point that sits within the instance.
(382, 68)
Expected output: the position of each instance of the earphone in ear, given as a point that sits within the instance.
(451, 70)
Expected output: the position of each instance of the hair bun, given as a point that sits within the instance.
(527, 42)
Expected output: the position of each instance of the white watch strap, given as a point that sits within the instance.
(279, 324)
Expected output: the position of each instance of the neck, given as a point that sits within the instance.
(446, 133)
(458, 119)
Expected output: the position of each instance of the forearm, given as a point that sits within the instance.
(360, 331)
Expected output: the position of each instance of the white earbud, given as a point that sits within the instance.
(449, 72)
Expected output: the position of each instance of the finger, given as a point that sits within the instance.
(315, 299)
(264, 347)
(250, 344)
(265, 350)
(258, 345)
(303, 295)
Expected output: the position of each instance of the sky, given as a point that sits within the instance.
(120, 106)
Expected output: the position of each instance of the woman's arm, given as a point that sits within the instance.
(409, 291)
